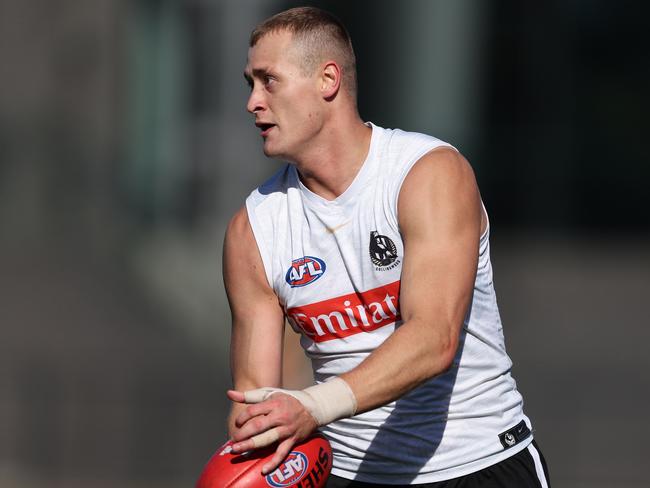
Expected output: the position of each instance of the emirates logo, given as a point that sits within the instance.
(347, 315)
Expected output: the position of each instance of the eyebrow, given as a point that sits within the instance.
(256, 73)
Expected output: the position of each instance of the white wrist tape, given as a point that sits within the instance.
(326, 402)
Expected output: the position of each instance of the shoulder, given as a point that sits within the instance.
(270, 197)
(441, 182)
(403, 150)
(238, 226)
(441, 166)
(239, 241)
(242, 262)
(442, 172)
(411, 143)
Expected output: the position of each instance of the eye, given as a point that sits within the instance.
(268, 80)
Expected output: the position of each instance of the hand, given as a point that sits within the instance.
(280, 418)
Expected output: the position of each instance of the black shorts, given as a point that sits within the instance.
(526, 469)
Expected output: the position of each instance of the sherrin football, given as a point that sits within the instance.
(307, 466)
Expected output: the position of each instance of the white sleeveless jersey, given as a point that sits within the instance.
(335, 266)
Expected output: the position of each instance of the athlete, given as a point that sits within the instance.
(373, 244)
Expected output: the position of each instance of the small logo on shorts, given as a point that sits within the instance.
(514, 435)
(383, 252)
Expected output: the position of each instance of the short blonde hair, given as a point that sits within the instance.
(319, 35)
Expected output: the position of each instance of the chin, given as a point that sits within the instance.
(269, 153)
(273, 152)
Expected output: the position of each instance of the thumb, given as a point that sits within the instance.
(252, 396)
(236, 396)
(260, 394)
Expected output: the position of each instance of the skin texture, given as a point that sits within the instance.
(316, 123)
(318, 129)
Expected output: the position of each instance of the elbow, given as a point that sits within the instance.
(444, 353)
(436, 348)
(446, 358)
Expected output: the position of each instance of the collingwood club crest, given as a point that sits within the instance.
(383, 252)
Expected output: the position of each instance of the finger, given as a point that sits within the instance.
(252, 412)
(258, 395)
(236, 396)
(280, 454)
(260, 440)
(265, 438)
(256, 425)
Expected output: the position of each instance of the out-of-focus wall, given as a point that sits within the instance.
(125, 147)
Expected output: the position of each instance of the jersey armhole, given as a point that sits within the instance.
(406, 170)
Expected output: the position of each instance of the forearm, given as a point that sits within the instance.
(248, 374)
(249, 378)
(414, 353)
(255, 362)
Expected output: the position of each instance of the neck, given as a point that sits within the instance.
(335, 157)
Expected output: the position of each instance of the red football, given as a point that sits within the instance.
(307, 466)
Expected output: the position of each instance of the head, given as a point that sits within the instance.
(301, 66)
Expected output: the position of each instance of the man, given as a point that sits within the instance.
(373, 243)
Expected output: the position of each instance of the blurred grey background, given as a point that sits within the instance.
(125, 147)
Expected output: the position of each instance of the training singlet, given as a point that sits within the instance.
(335, 266)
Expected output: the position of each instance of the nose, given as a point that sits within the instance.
(256, 101)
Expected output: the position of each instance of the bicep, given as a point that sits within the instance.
(440, 221)
(257, 317)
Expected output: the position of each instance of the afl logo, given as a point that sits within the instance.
(382, 250)
(304, 271)
(290, 472)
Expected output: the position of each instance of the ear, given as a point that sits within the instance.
(330, 80)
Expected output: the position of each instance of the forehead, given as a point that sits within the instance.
(273, 49)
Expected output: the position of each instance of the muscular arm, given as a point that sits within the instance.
(257, 317)
(440, 220)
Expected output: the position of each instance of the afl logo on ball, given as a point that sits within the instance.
(290, 472)
(383, 251)
(304, 271)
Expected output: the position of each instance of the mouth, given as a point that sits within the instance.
(264, 127)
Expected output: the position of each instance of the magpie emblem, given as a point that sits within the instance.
(382, 250)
